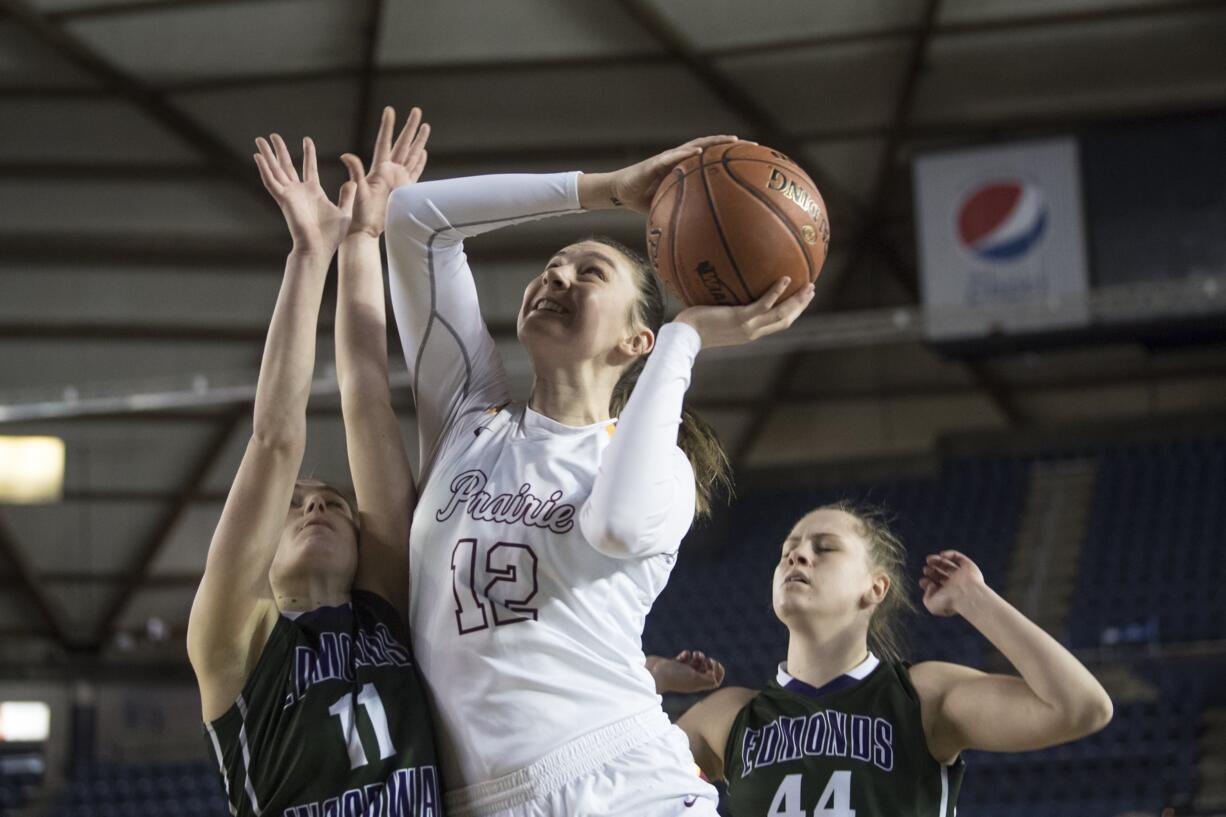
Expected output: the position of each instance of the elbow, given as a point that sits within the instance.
(404, 207)
(617, 538)
(286, 437)
(1093, 714)
(1100, 712)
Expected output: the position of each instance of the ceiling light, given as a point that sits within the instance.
(31, 469)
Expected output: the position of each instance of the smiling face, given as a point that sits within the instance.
(580, 308)
(319, 541)
(825, 576)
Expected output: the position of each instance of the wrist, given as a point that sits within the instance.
(359, 235)
(596, 191)
(686, 330)
(311, 254)
(978, 601)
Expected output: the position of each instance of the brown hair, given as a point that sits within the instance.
(887, 554)
(712, 474)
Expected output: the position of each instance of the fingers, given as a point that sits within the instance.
(344, 200)
(708, 141)
(357, 173)
(776, 318)
(281, 152)
(383, 140)
(669, 158)
(417, 166)
(666, 161)
(276, 171)
(418, 146)
(267, 177)
(404, 141)
(310, 169)
(768, 299)
(942, 563)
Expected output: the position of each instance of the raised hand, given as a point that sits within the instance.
(735, 325)
(690, 671)
(392, 166)
(949, 579)
(634, 186)
(315, 223)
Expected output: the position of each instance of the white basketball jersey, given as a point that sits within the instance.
(526, 621)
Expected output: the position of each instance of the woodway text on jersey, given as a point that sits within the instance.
(826, 733)
(406, 793)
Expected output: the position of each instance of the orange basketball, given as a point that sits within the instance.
(728, 223)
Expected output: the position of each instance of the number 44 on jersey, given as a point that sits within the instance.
(834, 802)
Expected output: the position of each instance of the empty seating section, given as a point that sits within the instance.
(1154, 561)
(20, 780)
(143, 790)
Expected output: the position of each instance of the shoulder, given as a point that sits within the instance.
(224, 674)
(722, 706)
(710, 724)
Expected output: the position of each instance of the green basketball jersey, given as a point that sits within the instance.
(333, 721)
(852, 748)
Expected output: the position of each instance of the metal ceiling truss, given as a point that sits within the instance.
(367, 74)
(23, 578)
(1047, 20)
(147, 552)
(868, 223)
(141, 94)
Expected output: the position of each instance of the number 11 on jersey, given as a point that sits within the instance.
(369, 700)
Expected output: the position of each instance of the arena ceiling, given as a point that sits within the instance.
(139, 254)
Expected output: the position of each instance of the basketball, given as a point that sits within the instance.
(727, 224)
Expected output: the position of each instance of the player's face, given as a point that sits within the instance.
(824, 574)
(578, 308)
(319, 539)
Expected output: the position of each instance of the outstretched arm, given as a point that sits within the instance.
(233, 611)
(378, 463)
(453, 364)
(1055, 700)
(450, 355)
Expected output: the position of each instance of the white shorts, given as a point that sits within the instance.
(637, 767)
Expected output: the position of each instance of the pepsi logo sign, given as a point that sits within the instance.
(1002, 220)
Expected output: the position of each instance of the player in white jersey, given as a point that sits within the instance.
(545, 531)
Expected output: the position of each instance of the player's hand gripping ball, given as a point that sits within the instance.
(726, 224)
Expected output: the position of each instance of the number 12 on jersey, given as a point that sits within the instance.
(834, 802)
(505, 579)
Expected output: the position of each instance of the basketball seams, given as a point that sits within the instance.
(779, 213)
(678, 280)
(719, 229)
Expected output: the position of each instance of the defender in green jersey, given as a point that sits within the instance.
(841, 732)
(298, 634)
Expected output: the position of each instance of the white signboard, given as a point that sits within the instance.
(1001, 239)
